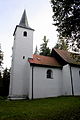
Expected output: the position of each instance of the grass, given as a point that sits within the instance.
(61, 108)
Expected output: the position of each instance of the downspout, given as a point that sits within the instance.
(71, 81)
(32, 81)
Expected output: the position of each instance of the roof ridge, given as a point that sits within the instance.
(67, 51)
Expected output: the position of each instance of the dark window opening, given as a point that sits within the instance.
(79, 73)
(23, 57)
(25, 34)
(49, 74)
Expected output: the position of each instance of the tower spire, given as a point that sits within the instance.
(24, 21)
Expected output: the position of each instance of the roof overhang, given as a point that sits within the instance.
(22, 27)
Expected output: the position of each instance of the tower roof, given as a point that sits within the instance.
(24, 21)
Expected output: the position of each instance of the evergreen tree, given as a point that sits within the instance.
(1, 80)
(1, 56)
(44, 49)
(6, 81)
(1, 62)
(1, 85)
(36, 50)
(66, 16)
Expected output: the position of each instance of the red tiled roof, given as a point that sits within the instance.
(44, 60)
(69, 57)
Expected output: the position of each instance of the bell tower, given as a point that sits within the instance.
(22, 50)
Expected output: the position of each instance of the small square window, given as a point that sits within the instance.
(23, 57)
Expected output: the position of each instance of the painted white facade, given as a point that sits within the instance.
(67, 88)
(23, 47)
(46, 87)
(27, 81)
(76, 80)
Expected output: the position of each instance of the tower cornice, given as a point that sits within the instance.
(22, 27)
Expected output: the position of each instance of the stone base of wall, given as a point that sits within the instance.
(17, 97)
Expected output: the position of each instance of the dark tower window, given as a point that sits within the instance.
(25, 33)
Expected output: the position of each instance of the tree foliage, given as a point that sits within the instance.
(4, 83)
(4, 77)
(1, 56)
(44, 49)
(66, 16)
(61, 44)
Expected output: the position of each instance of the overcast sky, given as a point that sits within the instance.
(39, 14)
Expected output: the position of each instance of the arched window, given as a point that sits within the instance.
(49, 74)
(25, 33)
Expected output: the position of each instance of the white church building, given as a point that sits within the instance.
(36, 76)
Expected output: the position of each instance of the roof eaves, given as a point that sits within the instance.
(74, 65)
(22, 27)
(41, 65)
(58, 54)
(67, 61)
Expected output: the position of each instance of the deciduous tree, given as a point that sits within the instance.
(61, 44)
(66, 16)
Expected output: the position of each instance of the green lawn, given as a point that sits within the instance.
(61, 108)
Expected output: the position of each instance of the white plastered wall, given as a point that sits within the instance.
(23, 46)
(67, 88)
(76, 80)
(44, 87)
